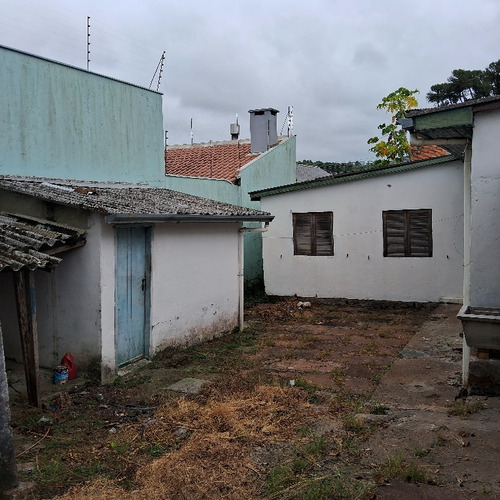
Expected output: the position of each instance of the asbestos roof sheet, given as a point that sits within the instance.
(309, 172)
(118, 199)
(25, 241)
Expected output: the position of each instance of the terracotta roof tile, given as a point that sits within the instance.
(217, 160)
(419, 153)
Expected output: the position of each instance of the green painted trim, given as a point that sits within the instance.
(356, 176)
(444, 119)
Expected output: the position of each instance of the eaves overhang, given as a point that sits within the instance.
(353, 176)
(452, 124)
(144, 219)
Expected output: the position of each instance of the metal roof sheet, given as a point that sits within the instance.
(25, 240)
(476, 103)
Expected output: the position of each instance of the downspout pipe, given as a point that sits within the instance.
(241, 269)
(467, 248)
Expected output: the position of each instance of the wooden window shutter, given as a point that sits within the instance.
(407, 233)
(323, 233)
(394, 233)
(420, 233)
(313, 233)
(302, 234)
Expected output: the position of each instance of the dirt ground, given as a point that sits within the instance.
(342, 399)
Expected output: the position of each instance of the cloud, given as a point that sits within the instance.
(333, 60)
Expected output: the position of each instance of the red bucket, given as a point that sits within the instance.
(68, 361)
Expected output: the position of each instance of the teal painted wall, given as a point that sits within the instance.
(213, 189)
(276, 167)
(64, 122)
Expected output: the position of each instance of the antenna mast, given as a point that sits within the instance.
(88, 42)
(289, 121)
(160, 67)
(192, 135)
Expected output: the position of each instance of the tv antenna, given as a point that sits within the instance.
(159, 70)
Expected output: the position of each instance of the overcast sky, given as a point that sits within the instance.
(332, 60)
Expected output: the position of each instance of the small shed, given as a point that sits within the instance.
(159, 268)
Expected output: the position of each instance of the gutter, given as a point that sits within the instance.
(142, 219)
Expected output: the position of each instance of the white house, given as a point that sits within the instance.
(391, 233)
(159, 268)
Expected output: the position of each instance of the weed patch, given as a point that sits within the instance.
(398, 467)
(465, 409)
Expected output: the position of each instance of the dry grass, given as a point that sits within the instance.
(211, 458)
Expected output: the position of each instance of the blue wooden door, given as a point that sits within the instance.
(133, 264)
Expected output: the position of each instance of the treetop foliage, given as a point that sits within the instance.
(464, 85)
(337, 168)
(394, 148)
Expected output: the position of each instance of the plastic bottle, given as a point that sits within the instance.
(68, 361)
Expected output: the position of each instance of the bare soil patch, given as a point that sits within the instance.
(339, 400)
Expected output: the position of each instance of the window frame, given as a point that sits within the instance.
(413, 229)
(320, 238)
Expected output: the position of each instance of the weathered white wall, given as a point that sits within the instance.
(69, 304)
(485, 211)
(358, 268)
(194, 289)
(107, 263)
(68, 298)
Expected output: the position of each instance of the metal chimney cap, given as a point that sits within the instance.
(263, 110)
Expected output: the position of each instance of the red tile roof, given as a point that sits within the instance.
(419, 153)
(216, 160)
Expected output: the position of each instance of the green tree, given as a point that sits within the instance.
(493, 72)
(393, 146)
(464, 85)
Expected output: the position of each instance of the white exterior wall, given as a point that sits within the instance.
(485, 211)
(107, 254)
(68, 301)
(358, 269)
(194, 289)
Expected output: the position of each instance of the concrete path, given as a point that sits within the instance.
(461, 455)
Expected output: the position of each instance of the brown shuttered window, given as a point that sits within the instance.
(313, 233)
(407, 233)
